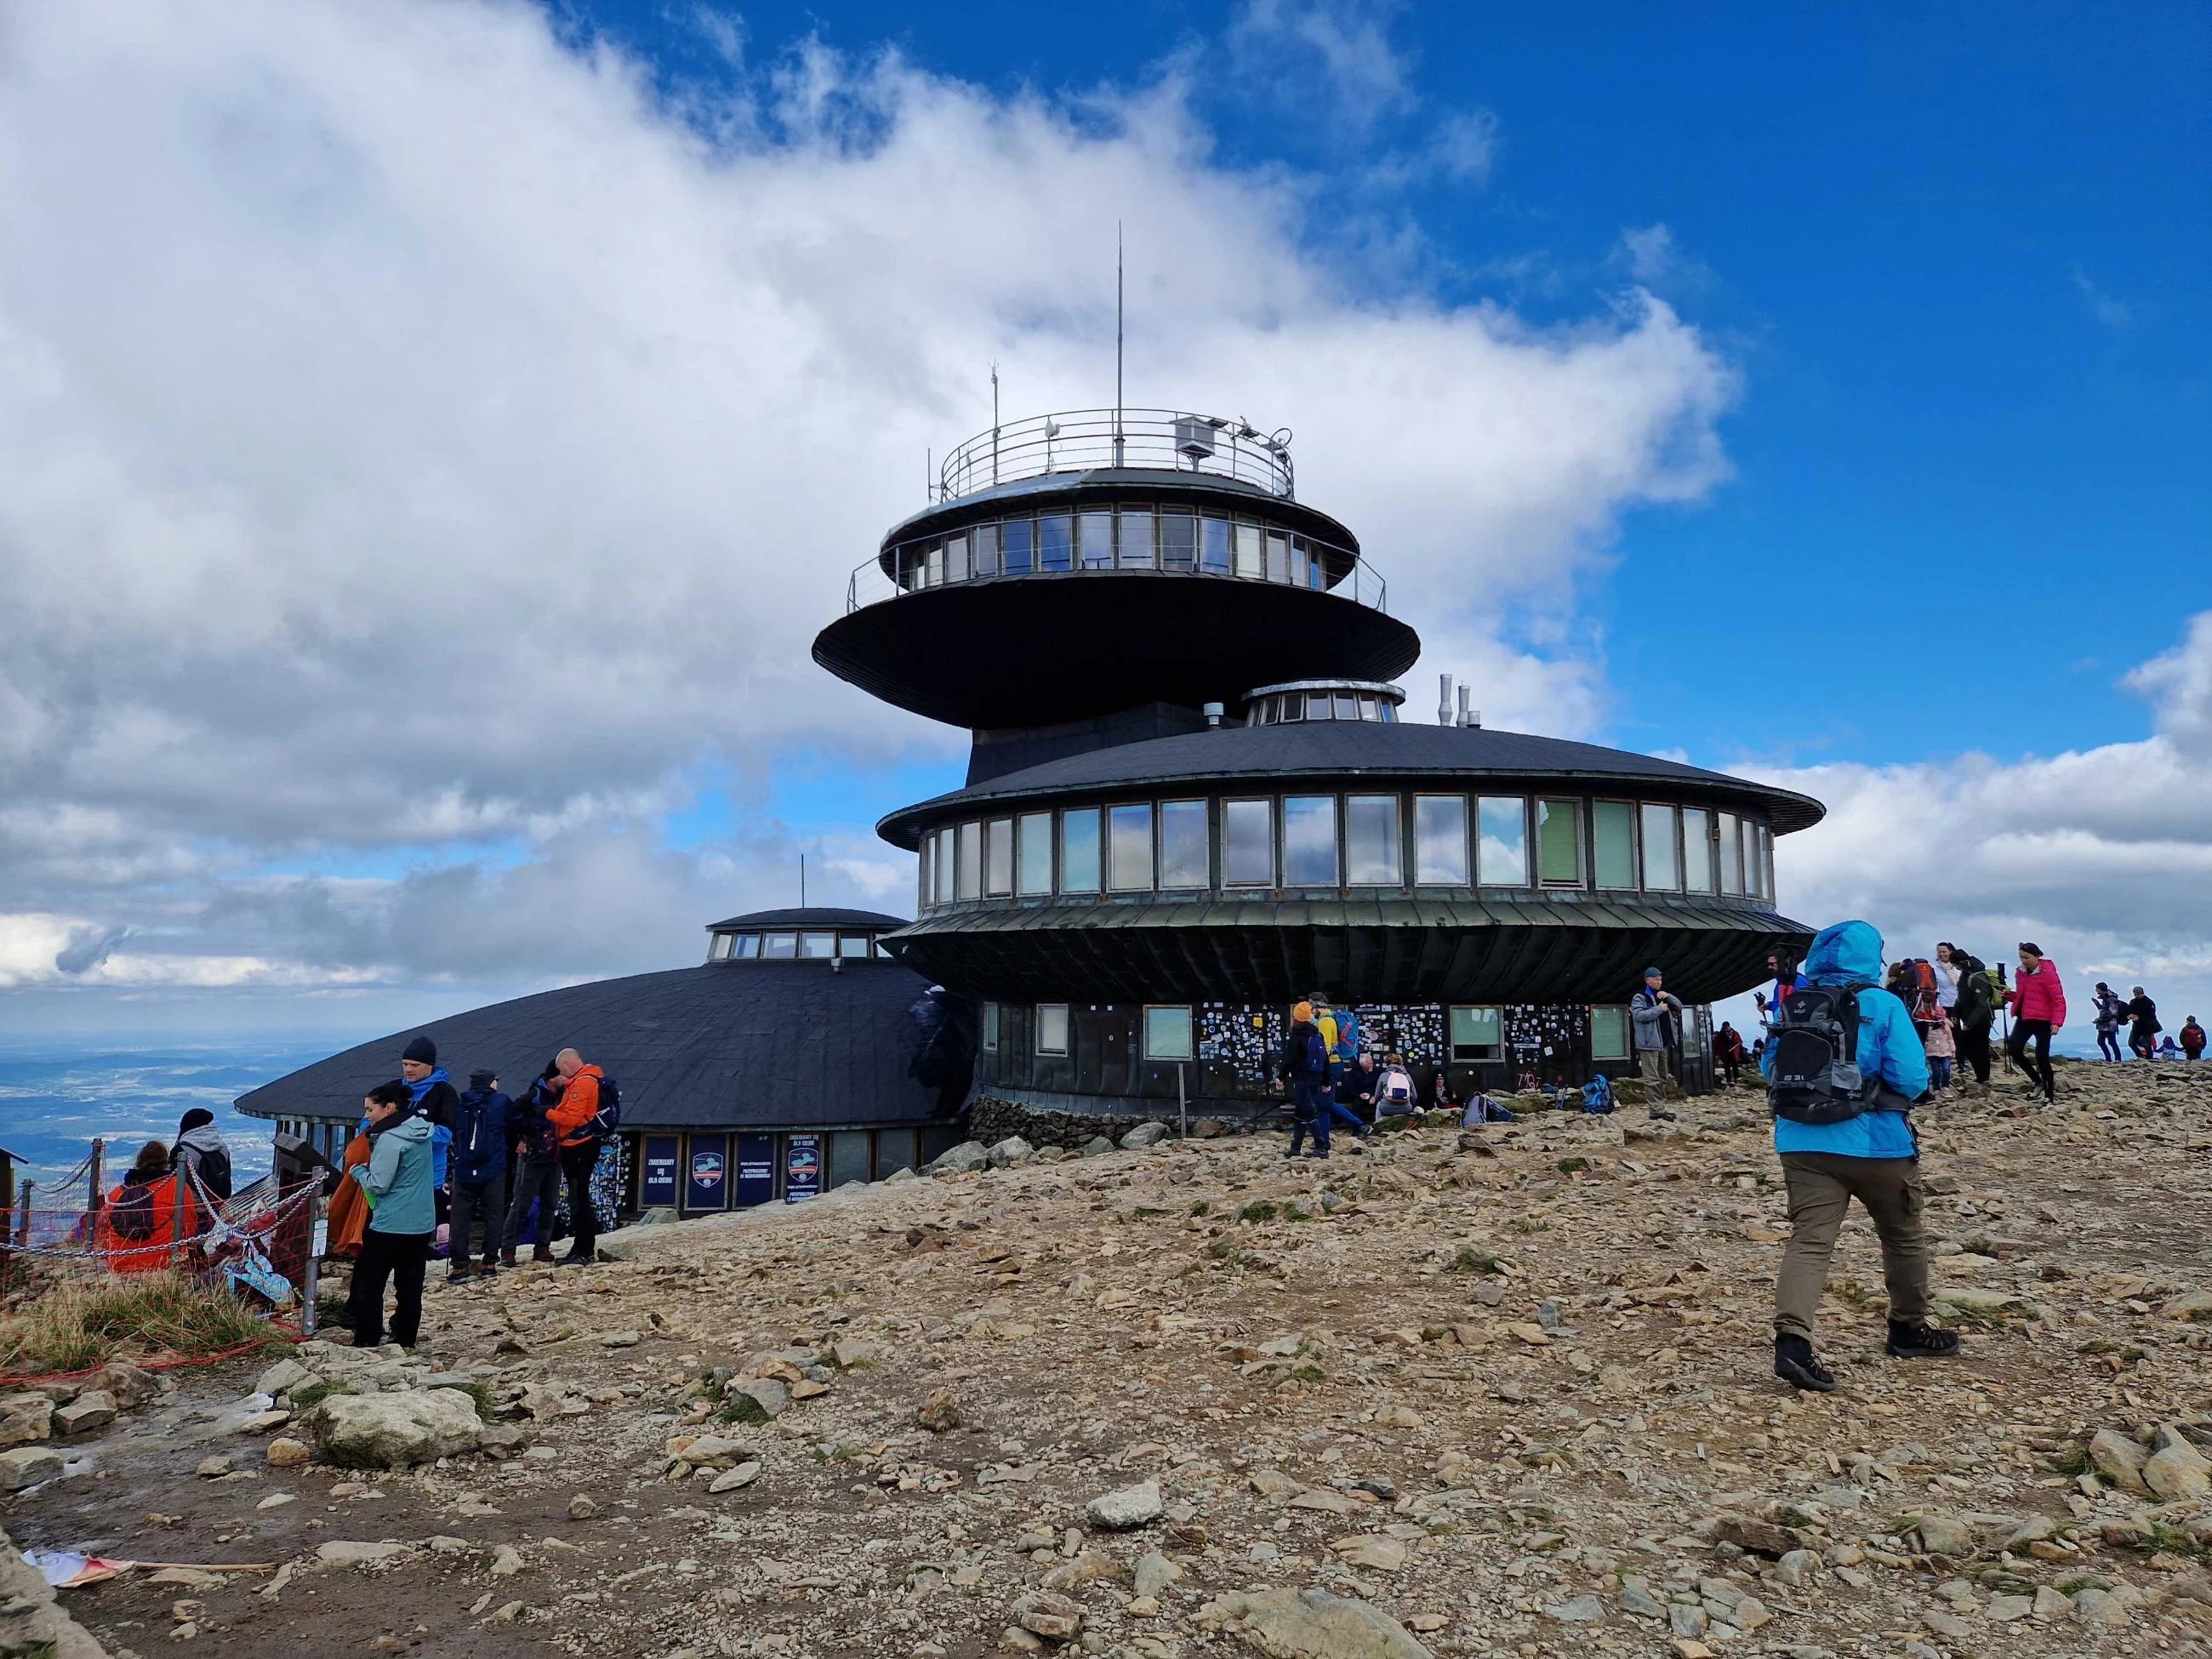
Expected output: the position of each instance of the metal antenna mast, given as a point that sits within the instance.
(995, 420)
(802, 881)
(1117, 343)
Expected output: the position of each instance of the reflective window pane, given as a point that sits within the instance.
(1766, 862)
(780, 946)
(1167, 1033)
(854, 946)
(1293, 707)
(1319, 705)
(1662, 870)
(1440, 840)
(1213, 546)
(991, 1026)
(1184, 855)
(1035, 854)
(970, 860)
(747, 947)
(1129, 848)
(818, 945)
(1078, 851)
(956, 558)
(1178, 542)
(1731, 855)
(940, 884)
(719, 950)
(1613, 843)
(1056, 543)
(1347, 706)
(1016, 537)
(1097, 541)
(1372, 855)
(1309, 840)
(1477, 1034)
(1367, 705)
(1250, 559)
(1248, 844)
(1559, 842)
(1609, 1033)
(1278, 556)
(1052, 1028)
(1696, 849)
(1502, 861)
(1136, 541)
(987, 549)
(999, 857)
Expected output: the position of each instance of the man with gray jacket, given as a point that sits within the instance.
(1656, 1014)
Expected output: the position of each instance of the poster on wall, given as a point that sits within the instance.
(658, 1190)
(707, 1184)
(756, 1170)
(802, 1168)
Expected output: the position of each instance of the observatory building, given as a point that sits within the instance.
(1195, 797)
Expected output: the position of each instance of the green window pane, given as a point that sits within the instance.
(1560, 841)
(1613, 843)
(1608, 1034)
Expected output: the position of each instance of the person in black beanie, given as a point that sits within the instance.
(200, 1150)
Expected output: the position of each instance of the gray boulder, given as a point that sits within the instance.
(1131, 1507)
(966, 1159)
(26, 1419)
(1011, 1151)
(392, 1430)
(1292, 1624)
(1143, 1135)
(1095, 1146)
(26, 1466)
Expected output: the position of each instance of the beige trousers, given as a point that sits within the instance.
(1821, 1187)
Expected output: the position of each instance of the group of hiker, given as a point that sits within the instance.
(428, 1155)
(166, 1199)
(1334, 1081)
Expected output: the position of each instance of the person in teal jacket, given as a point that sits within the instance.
(402, 1222)
(1873, 1157)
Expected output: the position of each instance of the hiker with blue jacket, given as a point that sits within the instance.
(478, 1167)
(402, 1218)
(1843, 1070)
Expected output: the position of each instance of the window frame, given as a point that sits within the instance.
(1026, 842)
(739, 951)
(968, 862)
(769, 953)
(1045, 1012)
(1728, 829)
(1574, 816)
(1496, 1014)
(1113, 850)
(1704, 866)
(1421, 877)
(1482, 876)
(1619, 1011)
(990, 1034)
(1181, 807)
(998, 858)
(1673, 822)
(1598, 882)
(1394, 843)
(1267, 805)
(866, 941)
(1335, 841)
(1098, 861)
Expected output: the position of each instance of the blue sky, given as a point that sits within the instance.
(431, 431)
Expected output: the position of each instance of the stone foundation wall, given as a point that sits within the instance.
(991, 1119)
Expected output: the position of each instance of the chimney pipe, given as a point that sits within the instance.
(1213, 711)
(1443, 700)
(1465, 691)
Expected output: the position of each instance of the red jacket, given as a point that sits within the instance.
(2038, 995)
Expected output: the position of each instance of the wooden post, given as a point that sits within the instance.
(24, 1226)
(98, 1180)
(7, 1202)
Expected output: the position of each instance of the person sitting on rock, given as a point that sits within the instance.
(1870, 1155)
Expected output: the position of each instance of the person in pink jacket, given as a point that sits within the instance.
(2039, 1006)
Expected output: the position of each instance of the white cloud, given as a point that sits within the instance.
(2108, 311)
(419, 444)
(2103, 856)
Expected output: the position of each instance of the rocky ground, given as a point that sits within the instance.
(1423, 1398)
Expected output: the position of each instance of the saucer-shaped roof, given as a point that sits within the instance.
(817, 917)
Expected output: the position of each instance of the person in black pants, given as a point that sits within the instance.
(575, 1117)
(396, 1245)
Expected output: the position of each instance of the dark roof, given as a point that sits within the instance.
(817, 916)
(728, 1044)
(1339, 748)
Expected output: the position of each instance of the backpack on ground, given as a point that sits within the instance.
(1814, 1077)
(1597, 1096)
(608, 1119)
(131, 1215)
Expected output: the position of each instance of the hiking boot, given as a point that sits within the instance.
(458, 1276)
(1795, 1364)
(574, 1259)
(506, 1259)
(1664, 1116)
(1921, 1342)
(541, 1253)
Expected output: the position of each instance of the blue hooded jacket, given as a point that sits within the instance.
(1889, 1049)
(480, 1142)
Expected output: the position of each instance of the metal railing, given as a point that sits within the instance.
(1306, 563)
(1079, 439)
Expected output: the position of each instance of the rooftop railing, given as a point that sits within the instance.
(1081, 440)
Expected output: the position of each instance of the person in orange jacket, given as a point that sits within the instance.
(142, 1226)
(579, 1151)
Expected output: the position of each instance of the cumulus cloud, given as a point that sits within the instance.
(425, 447)
(2102, 856)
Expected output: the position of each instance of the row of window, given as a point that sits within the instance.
(1478, 1033)
(1350, 840)
(1129, 539)
(792, 947)
(1293, 706)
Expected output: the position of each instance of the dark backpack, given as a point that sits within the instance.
(1815, 1077)
(608, 1119)
(215, 1174)
(131, 1215)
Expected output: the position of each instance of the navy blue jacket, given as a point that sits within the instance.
(479, 1151)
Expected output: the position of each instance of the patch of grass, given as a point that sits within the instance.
(308, 1393)
(1469, 1259)
(2167, 1539)
(1260, 1209)
(1307, 1373)
(1198, 1207)
(742, 1408)
(1221, 1249)
(1573, 1165)
(80, 1324)
(481, 1393)
(1979, 1247)
(1295, 1211)
(2068, 1460)
(2081, 1581)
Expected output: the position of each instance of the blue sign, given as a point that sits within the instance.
(707, 1185)
(756, 1170)
(802, 1168)
(657, 1189)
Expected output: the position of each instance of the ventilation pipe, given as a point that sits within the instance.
(1443, 700)
(1465, 718)
(1213, 711)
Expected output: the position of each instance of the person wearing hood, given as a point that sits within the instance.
(2039, 1006)
(402, 1218)
(2110, 1011)
(2192, 1039)
(2144, 1013)
(479, 1174)
(200, 1152)
(1305, 1070)
(1872, 1157)
(1975, 1012)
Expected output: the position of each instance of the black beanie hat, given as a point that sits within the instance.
(482, 1080)
(193, 1119)
(422, 1050)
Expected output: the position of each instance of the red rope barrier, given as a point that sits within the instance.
(173, 1362)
